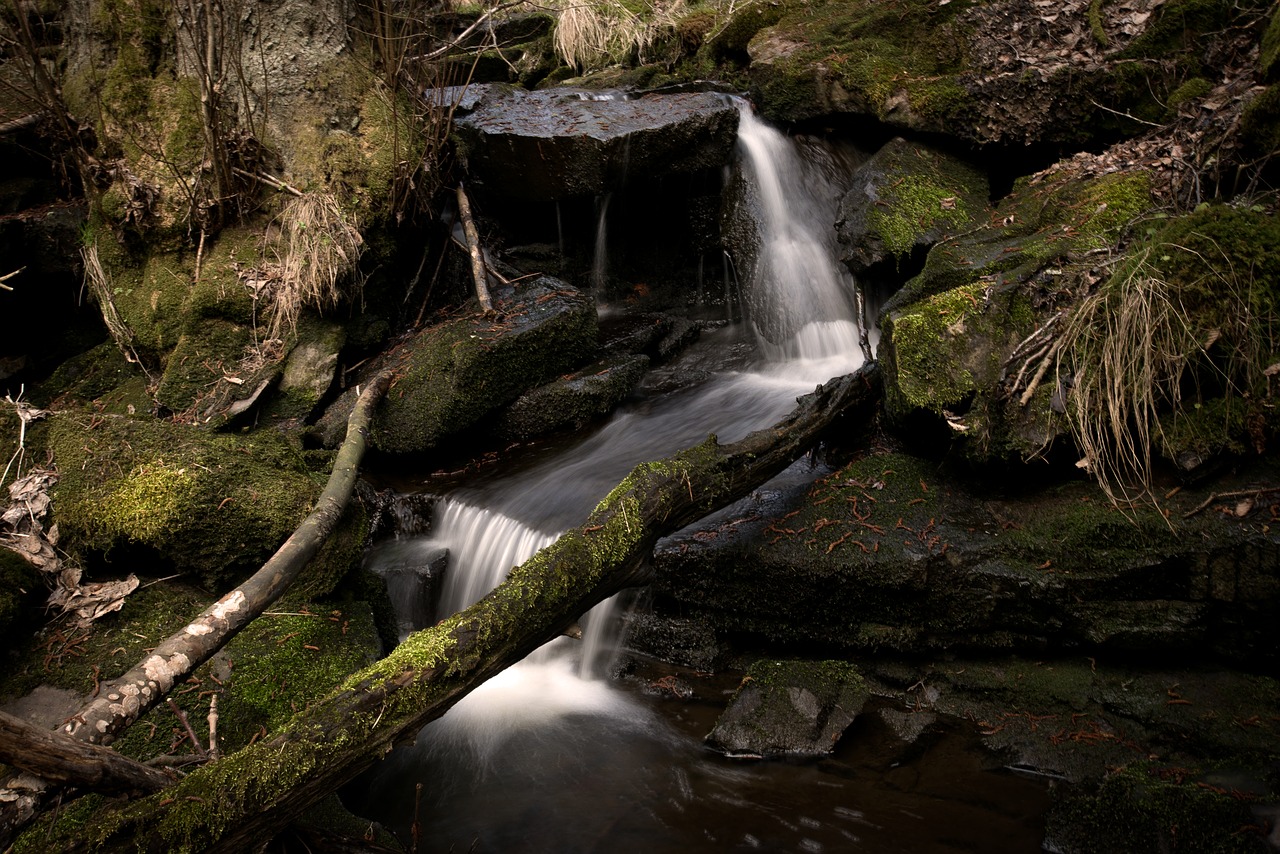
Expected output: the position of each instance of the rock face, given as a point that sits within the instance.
(797, 708)
(552, 144)
(453, 375)
(891, 554)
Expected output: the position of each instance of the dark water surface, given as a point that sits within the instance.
(636, 777)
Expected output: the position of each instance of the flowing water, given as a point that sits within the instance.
(550, 755)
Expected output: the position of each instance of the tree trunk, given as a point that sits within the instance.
(238, 802)
(122, 701)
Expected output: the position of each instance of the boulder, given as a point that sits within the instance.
(893, 553)
(572, 401)
(171, 495)
(950, 337)
(908, 196)
(557, 143)
(794, 708)
(451, 376)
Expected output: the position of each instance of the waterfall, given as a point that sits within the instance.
(802, 312)
(600, 258)
(800, 297)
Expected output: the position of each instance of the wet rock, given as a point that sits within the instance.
(453, 375)
(414, 573)
(908, 726)
(552, 144)
(687, 641)
(797, 708)
(907, 196)
(573, 401)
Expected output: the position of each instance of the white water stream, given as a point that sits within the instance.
(801, 310)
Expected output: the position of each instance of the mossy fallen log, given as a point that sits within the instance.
(120, 702)
(247, 797)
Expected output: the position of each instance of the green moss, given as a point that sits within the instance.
(88, 376)
(114, 644)
(924, 338)
(1270, 49)
(872, 51)
(915, 204)
(1260, 121)
(1095, 23)
(1188, 93)
(216, 506)
(456, 373)
(286, 659)
(202, 356)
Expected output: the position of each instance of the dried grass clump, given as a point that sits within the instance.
(595, 34)
(1135, 348)
(319, 248)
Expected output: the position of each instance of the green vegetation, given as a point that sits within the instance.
(216, 506)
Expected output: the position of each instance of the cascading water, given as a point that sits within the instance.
(548, 755)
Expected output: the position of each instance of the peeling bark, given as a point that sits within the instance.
(236, 803)
(122, 701)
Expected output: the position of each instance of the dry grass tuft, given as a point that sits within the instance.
(319, 248)
(1133, 349)
(594, 34)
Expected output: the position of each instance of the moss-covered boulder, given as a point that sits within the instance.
(908, 196)
(895, 553)
(1152, 806)
(215, 506)
(951, 334)
(572, 401)
(309, 370)
(984, 72)
(795, 708)
(453, 375)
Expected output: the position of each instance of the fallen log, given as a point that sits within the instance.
(250, 796)
(123, 700)
(54, 756)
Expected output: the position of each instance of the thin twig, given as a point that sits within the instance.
(1218, 496)
(186, 725)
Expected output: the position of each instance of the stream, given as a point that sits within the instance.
(552, 755)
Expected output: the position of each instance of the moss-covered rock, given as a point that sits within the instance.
(797, 708)
(1148, 806)
(1216, 270)
(287, 658)
(907, 196)
(453, 375)
(950, 331)
(572, 401)
(214, 506)
(894, 553)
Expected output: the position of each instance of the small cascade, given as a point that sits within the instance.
(800, 297)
